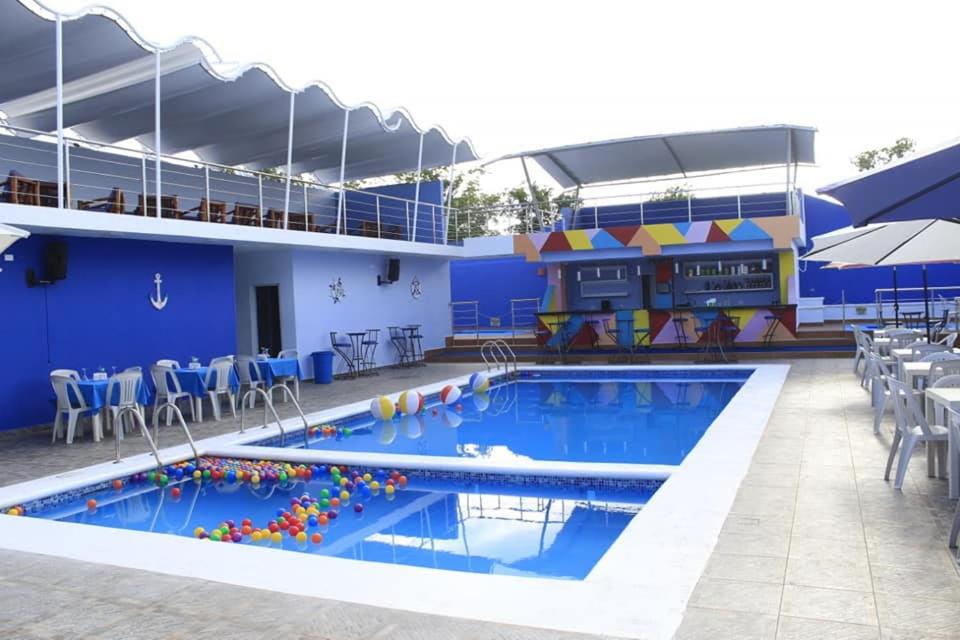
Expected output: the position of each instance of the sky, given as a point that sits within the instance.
(528, 74)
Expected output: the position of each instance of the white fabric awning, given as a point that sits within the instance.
(675, 154)
(226, 114)
(9, 235)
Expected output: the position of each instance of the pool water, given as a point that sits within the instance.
(555, 531)
(640, 421)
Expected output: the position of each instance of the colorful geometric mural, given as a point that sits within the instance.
(651, 238)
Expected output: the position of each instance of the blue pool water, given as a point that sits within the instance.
(556, 532)
(654, 420)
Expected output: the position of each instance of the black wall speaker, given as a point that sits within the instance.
(393, 270)
(55, 261)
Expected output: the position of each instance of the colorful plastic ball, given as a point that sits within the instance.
(293, 531)
(450, 394)
(215, 535)
(276, 537)
(479, 382)
(344, 496)
(411, 403)
(459, 407)
(324, 502)
(323, 520)
(390, 489)
(274, 527)
(14, 511)
(236, 537)
(91, 504)
(367, 477)
(198, 532)
(198, 475)
(402, 480)
(175, 492)
(316, 538)
(302, 537)
(118, 484)
(283, 524)
(382, 408)
(358, 508)
(206, 474)
(334, 502)
(324, 493)
(163, 480)
(374, 486)
(256, 536)
(246, 522)
(331, 515)
(282, 477)
(343, 482)
(312, 521)
(246, 530)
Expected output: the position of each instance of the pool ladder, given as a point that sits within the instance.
(268, 406)
(155, 439)
(500, 355)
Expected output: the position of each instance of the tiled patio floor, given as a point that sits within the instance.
(817, 545)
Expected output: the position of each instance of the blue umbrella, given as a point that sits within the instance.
(921, 187)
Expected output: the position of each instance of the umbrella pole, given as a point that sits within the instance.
(896, 300)
(926, 302)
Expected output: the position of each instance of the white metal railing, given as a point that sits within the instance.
(211, 192)
(939, 301)
(523, 316)
(465, 317)
(500, 354)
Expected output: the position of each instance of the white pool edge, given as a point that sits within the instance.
(656, 561)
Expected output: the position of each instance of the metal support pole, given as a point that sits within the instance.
(306, 209)
(406, 213)
(788, 198)
(416, 191)
(378, 216)
(156, 134)
(260, 197)
(143, 180)
(689, 207)
(66, 168)
(341, 202)
(596, 217)
(206, 192)
(739, 209)
(433, 221)
(446, 217)
(641, 213)
(533, 193)
(59, 46)
(286, 195)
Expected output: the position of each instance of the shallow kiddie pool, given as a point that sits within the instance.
(527, 526)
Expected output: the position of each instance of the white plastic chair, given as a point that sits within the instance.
(921, 350)
(219, 375)
(128, 384)
(70, 373)
(862, 349)
(912, 428)
(169, 390)
(249, 373)
(945, 368)
(871, 348)
(879, 392)
(285, 354)
(173, 364)
(949, 340)
(75, 408)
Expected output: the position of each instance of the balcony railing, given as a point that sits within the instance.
(115, 179)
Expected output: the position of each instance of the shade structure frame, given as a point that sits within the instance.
(105, 100)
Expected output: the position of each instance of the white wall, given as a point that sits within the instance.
(366, 305)
(258, 268)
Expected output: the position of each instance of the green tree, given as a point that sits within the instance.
(872, 158)
(676, 192)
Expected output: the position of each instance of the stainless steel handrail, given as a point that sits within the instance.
(296, 404)
(158, 411)
(267, 404)
(503, 349)
(118, 428)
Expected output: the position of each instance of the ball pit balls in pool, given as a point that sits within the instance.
(479, 382)
(449, 394)
(411, 403)
(382, 408)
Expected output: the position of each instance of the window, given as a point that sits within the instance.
(608, 281)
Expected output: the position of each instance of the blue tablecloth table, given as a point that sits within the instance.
(194, 382)
(272, 368)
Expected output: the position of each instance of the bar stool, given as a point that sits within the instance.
(341, 347)
(414, 338)
(728, 330)
(708, 332)
(774, 319)
(370, 342)
(594, 334)
(680, 329)
(615, 333)
(399, 341)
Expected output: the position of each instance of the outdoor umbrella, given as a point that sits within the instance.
(921, 187)
(9, 235)
(895, 243)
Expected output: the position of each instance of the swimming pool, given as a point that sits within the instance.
(653, 419)
(557, 531)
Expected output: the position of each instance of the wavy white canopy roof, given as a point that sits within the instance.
(674, 154)
(235, 116)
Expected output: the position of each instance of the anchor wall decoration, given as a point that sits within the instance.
(160, 301)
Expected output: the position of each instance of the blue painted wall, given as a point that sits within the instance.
(494, 282)
(857, 285)
(101, 314)
(393, 213)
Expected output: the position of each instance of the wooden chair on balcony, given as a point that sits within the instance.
(295, 221)
(210, 211)
(169, 207)
(18, 189)
(247, 215)
(113, 203)
(47, 194)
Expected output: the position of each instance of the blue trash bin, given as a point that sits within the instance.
(322, 367)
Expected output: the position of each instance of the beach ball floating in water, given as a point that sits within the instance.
(449, 394)
(479, 382)
(382, 408)
(411, 403)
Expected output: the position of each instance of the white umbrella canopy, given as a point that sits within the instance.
(890, 244)
(9, 235)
